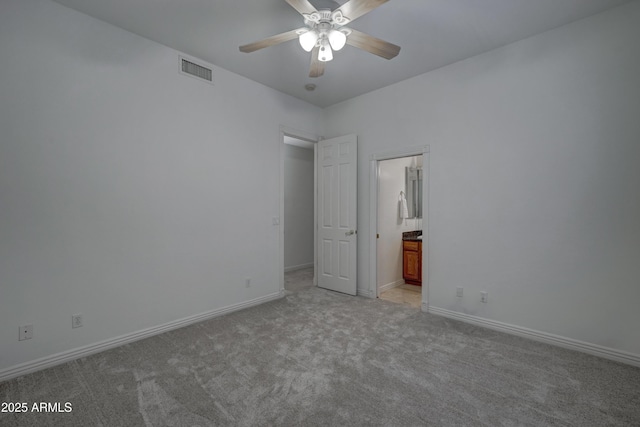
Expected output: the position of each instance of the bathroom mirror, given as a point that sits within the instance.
(413, 187)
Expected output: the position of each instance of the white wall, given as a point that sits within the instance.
(534, 177)
(298, 206)
(129, 193)
(390, 227)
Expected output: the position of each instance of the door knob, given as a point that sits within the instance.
(350, 233)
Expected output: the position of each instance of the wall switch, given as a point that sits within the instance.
(26, 332)
(484, 296)
(247, 282)
(76, 321)
(459, 292)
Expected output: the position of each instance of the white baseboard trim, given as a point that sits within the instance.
(560, 341)
(298, 267)
(365, 293)
(391, 285)
(76, 353)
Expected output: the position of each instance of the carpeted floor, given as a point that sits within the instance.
(298, 280)
(321, 358)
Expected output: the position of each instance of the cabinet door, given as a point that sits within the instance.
(411, 266)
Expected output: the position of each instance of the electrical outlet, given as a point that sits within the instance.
(484, 296)
(26, 332)
(247, 282)
(76, 321)
(459, 292)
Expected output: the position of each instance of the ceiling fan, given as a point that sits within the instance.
(325, 32)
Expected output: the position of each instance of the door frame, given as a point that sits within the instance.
(313, 138)
(374, 176)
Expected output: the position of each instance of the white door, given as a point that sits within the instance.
(337, 201)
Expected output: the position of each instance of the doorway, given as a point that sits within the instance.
(298, 213)
(399, 248)
(334, 207)
(390, 175)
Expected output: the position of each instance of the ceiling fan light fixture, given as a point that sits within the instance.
(325, 54)
(337, 39)
(308, 40)
(325, 31)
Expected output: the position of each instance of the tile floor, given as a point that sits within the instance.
(404, 294)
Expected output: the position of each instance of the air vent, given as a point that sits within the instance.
(195, 70)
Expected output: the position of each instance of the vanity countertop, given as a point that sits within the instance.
(415, 236)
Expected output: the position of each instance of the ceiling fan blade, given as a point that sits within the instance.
(354, 9)
(317, 66)
(372, 44)
(271, 41)
(302, 6)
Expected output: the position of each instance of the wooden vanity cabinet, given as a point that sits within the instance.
(412, 262)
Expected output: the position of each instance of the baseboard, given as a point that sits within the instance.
(365, 293)
(560, 341)
(390, 285)
(76, 353)
(298, 267)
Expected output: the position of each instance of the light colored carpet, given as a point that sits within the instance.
(298, 280)
(321, 358)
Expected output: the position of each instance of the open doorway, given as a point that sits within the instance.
(399, 249)
(399, 244)
(334, 196)
(298, 213)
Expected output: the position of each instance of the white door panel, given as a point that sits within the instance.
(337, 200)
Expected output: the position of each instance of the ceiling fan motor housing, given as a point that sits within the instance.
(324, 24)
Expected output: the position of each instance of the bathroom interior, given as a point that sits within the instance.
(399, 246)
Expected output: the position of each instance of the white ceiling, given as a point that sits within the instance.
(432, 34)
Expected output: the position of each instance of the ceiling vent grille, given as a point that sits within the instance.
(195, 70)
